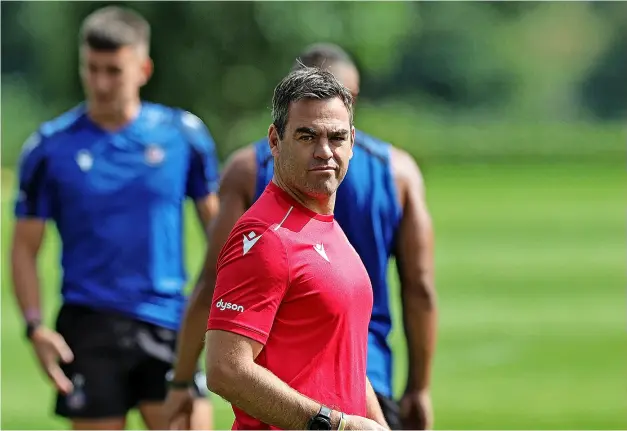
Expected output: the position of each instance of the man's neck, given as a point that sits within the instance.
(320, 206)
(115, 120)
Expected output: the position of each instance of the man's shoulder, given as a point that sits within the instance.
(266, 213)
(158, 115)
(242, 161)
(404, 166)
(41, 141)
(401, 162)
(240, 171)
(253, 231)
(261, 147)
(56, 127)
(372, 146)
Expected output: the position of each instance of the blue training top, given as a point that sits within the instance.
(117, 201)
(368, 211)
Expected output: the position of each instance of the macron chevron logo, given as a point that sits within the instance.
(320, 249)
(250, 240)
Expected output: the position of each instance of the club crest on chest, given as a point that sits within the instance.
(154, 155)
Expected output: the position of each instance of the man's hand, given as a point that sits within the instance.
(49, 347)
(361, 423)
(178, 409)
(416, 410)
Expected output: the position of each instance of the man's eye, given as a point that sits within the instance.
(306, 138)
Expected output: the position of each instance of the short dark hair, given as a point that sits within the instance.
(113, 27)
(306, 83)
(322, 55)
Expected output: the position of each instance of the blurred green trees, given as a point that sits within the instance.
(455, 67)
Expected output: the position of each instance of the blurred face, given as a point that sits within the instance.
(112, 79)
(317, 145)
(348, 76)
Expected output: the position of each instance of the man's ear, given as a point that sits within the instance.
(273, 140)
(148, 68)
(352, 140)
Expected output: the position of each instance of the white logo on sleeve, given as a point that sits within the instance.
(320, 249)
(191, 120)
(84, 160)
(229, 306)
(250, 240)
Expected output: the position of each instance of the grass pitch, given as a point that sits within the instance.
(530, 275)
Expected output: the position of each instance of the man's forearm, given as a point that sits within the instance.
(193, 327)
(264, 396)
(194, 324)
(373, 407)
(420, 322)
(26, 285)
(190, 340)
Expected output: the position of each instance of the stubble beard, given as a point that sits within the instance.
(298, 178)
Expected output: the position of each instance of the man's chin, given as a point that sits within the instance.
(322, 190)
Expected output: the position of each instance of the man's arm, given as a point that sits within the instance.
(373, 407)
(233, 374)
(235, 194)
(32, 208)
(207, 210)
(414, 258)
(27, 240)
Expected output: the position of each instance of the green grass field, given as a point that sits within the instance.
(530, 274)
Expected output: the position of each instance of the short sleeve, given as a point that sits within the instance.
(203, 173)
(33, 198)
(252, 279)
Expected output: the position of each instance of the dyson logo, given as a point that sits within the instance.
(229, 306)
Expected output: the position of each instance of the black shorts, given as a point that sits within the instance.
(390, 412)
(118, 363)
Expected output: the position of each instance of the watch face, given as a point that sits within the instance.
(169, 376)
(320, 424)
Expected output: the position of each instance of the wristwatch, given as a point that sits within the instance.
(177, 384)
(321, 421)
(31, 327)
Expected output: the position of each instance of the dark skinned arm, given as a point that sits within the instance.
(207, 210)
(414, 258)
(235, 195)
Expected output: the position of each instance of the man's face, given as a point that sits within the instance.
(317, 145)
(348, 75)
(112, 79)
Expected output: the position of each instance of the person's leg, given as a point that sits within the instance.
(99, 399)
(99, 424)
(149, 380)
(390, 412)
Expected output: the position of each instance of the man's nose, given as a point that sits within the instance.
(101, 83)
(323, 149)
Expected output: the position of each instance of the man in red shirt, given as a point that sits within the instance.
(288, 332)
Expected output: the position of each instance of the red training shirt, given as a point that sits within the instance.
(288, 278)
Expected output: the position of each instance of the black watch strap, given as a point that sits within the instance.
(177, 384)
(325, 412)
(321, 421)
(31, 327)
(180, 384)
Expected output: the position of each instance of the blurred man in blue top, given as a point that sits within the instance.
(113, 174)
(380, 206)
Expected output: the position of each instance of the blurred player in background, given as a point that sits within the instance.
(113, 174)
(381, 207)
